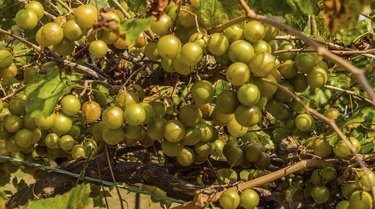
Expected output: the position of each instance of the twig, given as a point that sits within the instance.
(13, 93)
(113, 176)
(202, 198)
(70, 10)
(348, 92)
(122, 9)
(35, 47)
(222, 27)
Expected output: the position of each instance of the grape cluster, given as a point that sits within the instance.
(210, 122)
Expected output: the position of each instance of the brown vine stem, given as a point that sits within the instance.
(127, 15)
(339, 52)
(35, 47)
(334, 88)
(203, 198)
(360, 74)
(330, 122)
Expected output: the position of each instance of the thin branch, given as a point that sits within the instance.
(13, 93)
(113, 176)
(127, 15)
(222, 27)
(19, 38)
(348, 92)
(360, 74)
(203, 197)
(369, 52)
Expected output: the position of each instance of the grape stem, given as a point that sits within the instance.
(360, 74)
(205, 195)
(368, 53)
(334, 88)
(127, 15)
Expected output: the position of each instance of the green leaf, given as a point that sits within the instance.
(306, 6)
(280, 133)
(4, 181)
(214, 12)
(76, 198)
(137, 6)
(332, 139)
(133, 27)
(221, 86)
(18, 185)
(44, 91)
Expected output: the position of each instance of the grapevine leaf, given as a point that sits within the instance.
(44, 91)
(137, 6)
(214, 12)
(76, 198)
(306, 6)
(18, 184)
(280, 133)
(99, 3)
(340, 14)
(221, 86)
(132, 28)
(332, 139)
(4, 181)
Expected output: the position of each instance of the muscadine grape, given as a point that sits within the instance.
(262, 46)
(6, 58)
(305, 62)
(299, 83)
(248, 94)
(112, 136)
(321, 148)
(286, 55)
(317, 77)
(62, 124)
(235, 129)
(320, 194)
(51, 34)
(332, 113)
(66, 142)
(249, 199)
(174, 131)
(248, 116)
(186, 157)
(151, 51)
(26, 19)
(218, 44)
(36, 7)
(230, 199)
(304, 122)
(240, 51)
(180, 66)
(9, 72)
(169, 46)
(167, 65)
(70, 105)
(171, 149)
(238, 73)
(288, 69)
(191, 53)
(135, 114)
(85, 16)
(202, 92)
(162, 25)
(254, 31)
(113, 117)
(227, 102)
(91, 111)
(186, 16)
(233, 33)
(262, 64)
(190, 115)
(98, 48)
(64, 48)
